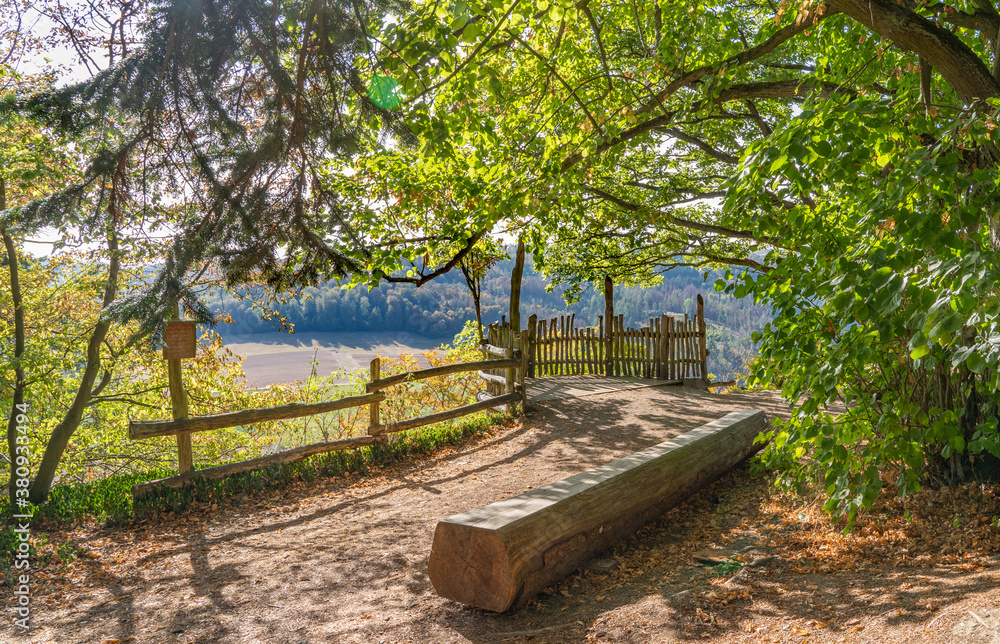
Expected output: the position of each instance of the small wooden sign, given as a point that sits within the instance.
(180, 340)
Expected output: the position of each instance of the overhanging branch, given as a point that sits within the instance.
(452, 263)
(687, 223)
(967, 74)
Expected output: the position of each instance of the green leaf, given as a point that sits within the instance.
(778, 164)
(960, 355)
(976, 363)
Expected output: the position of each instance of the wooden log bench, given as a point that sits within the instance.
(501, 555)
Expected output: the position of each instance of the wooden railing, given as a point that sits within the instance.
(138, 429)
(377, 431)
(511, 397)
(667, 348)
(506, 342)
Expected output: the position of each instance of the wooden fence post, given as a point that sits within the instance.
(671, 349)
(599, 349)
(702, 339)
(375, 370)
(509, 372)
(622, 368)
(607, 336)
(529, 346)
(179, 406)
(491, 338)
(653, 343)
(663, 348)
(609, 325)
(522, 372)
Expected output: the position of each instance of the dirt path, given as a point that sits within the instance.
(345, 560)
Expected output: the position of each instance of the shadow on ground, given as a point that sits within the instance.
(345, 560)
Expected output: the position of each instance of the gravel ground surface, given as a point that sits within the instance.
(345, 560)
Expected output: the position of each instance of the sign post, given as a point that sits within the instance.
(179, 338)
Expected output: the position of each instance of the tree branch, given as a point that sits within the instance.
(943, 50)
(454, 261)
(687, 223)
(691, 79)
(701, 145)
(742, 58)
(780, 89)
(765, 129)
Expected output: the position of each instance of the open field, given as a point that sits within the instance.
(273, 358)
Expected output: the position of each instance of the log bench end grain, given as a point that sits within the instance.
(501, 555)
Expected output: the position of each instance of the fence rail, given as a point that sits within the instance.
(139, 429)
(280, 458)
(445, 370)
(377, 431)
(430, 419)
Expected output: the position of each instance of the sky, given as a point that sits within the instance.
(62, 60)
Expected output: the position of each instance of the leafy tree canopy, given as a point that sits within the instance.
(840, 151)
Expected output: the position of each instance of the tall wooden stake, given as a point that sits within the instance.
(510, 377)
(179, 408)
(702, 339)
(664, 357)
(515, 288)
(522, 372)
(530, 345)
(609, 316)
(373, 410)
(512, 336)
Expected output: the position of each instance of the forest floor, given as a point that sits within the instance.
(345, 560)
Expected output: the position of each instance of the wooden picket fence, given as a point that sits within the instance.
(667, 348)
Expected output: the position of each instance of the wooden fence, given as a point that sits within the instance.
(513, 395)
(504, 341)
(666, 348)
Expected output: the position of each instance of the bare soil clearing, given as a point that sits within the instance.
(345, 560)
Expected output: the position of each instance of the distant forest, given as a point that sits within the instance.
(440, 309)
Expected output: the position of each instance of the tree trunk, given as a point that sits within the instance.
(475, 285)
(515, 287)
(702, 339)
(71, 420)
(479, 316)
(17, 397)
(953, 59)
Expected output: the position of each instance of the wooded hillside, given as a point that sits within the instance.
(441, 308)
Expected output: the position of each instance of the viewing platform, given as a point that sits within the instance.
(576, 386)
